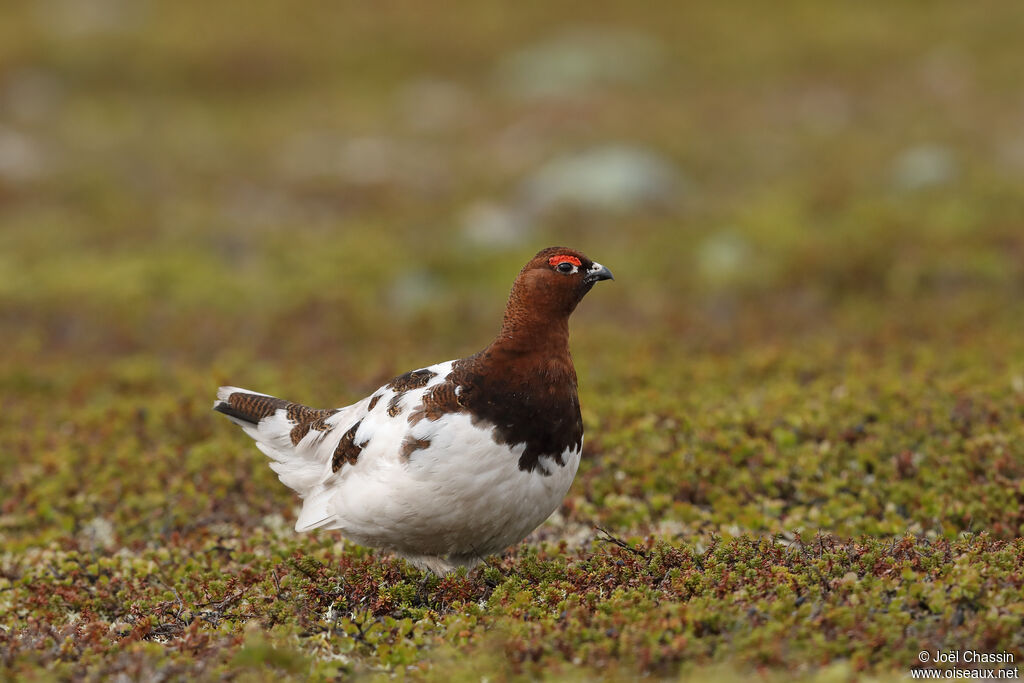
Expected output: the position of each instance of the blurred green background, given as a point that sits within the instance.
(218, 181)
(814, 213)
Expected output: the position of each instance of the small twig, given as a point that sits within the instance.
(224, 602)
(181, 603)
(610, 538)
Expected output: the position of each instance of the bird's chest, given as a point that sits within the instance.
(545, 423)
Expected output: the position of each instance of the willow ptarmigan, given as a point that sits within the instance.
(449, 463)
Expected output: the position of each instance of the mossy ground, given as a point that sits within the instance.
(803, 395)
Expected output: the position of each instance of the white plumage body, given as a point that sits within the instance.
(446, 504)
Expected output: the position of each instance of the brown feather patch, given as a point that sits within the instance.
(393, 408)
(300, 413)
(307, 418)
(347, 451)
(417, 379)
(373, 402)
(299, 432)
(411, 445)
(320, 424)
(439, 400)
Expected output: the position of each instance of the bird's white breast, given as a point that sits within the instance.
(462, 496)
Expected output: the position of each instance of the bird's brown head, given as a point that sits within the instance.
(549, 287)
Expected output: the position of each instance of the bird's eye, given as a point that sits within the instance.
(565, 263)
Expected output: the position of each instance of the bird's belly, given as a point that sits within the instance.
(464, 495)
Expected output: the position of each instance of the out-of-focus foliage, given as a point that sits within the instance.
(805, 388)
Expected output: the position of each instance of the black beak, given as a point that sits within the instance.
(596, 273)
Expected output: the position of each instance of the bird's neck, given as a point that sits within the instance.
(533, 336)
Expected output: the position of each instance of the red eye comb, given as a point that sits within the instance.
(564, 258)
